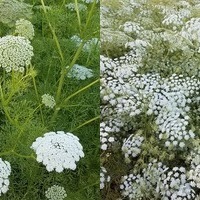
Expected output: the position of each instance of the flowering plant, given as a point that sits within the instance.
(149, 99)
(37, 99)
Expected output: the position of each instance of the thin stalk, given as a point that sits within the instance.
(63, 3)
(38, 99)
(78, 15)
(62, 78)
(23, 156)
(85, 123)
(5, 153)
(54, 34)
(13, 91)
(81, 90)
(5, 109)
(89, 16)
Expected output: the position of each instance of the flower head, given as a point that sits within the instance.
(90, 1)
(132, 146)
(80, 72)
(15, 53)
(56, 193)
(5, 171)
(58, 150)
(24, 28)
(12, 10)
(48, 100)
(72, 7)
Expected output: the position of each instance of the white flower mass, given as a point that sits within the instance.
(131, 146)
(56, 192)
(72, 7)
(150, 95)
(48, 100)
(58, 150)
(5, 170)
(80, 72)
(15, 53)
(24, 28)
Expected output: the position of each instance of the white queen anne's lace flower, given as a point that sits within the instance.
(56, 193)
(72, 7)
(15, 53)
(90, 1)
(24, 28)
(80, 72)
(58, 150)
(48, 100)
(131, 146)
(5, 171)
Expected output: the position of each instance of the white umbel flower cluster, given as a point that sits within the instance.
(24, 28)
(104, 178)
(131, 28)
(88, 46)
(48, 100)
(90, 1)
(58, 150)
(72, 7)
(194, 177)
(105, 137)
(15, 53)
(174, 185)
(126, 96)
(12, 10)
(56, 192)
(157, 181)
(191, 30)
(79, 72)
(131, 146)
(5, 170)
(137, 186)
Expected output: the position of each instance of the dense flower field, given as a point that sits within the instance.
(49, 99)
(150, 97)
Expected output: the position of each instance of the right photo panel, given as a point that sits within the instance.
(150, 100)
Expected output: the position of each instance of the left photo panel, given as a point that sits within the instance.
(49, 99)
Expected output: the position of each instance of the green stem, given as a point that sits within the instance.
(23, 156)
(78, 15)
(37, 96)
(16, 154)
(5, 108)
(81, 90)
(13, 90)
(5, 153)
(89, 16)
(54, 34)
(85, 123)
(64, 71)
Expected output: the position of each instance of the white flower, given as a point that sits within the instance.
(12, 10)
(90, 1)
(5, 170)
(58, 150)
(80, 72)
(72, 6)
(103, 177)
(24, 28)
(131, 146)
(48, 100)
(15, 53)
(56, 192)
